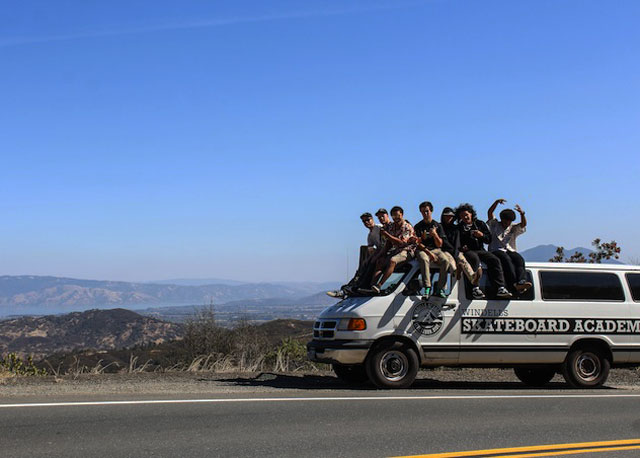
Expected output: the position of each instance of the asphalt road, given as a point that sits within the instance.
(319, 423)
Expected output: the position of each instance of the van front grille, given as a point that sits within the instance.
(324, 329)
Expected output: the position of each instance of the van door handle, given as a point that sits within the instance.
(450, 306)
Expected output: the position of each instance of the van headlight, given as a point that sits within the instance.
(352, 324)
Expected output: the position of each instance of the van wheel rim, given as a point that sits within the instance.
(394, 366)
(588, 367)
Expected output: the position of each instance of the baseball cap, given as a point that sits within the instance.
(448, 211)
(382, 210)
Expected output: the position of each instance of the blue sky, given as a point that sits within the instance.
(152, 140)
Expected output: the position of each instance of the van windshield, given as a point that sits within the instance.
(392, 282)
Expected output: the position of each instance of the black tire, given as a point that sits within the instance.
(535, 376)
(586, 367)
(353, 374)
(392, 365)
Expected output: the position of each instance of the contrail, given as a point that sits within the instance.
(26, 40)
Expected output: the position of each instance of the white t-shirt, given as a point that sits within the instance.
(504, 239)
(375, 238)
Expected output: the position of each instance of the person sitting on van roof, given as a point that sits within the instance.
(473, 234)
(369, 254)
(430, 244)
(451, 245)
(401, 244)
(503, 244)
(383, 217)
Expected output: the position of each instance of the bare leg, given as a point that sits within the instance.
(387, 273)
(380, 267)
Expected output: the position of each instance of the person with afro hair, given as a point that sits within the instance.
(473, 235)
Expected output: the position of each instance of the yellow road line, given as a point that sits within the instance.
(558, 449)
(571, 452)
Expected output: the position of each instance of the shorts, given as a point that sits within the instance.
(403, 256)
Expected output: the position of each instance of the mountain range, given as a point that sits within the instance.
(542, 253)
(29, 295)
(20, 295)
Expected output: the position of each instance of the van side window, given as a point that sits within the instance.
(569, 286)
(634, 286)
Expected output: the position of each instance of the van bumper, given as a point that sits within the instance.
(338, 351)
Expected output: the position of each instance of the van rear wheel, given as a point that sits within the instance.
(586, 367)
(535, 376)
(392, 365)
(350, 373)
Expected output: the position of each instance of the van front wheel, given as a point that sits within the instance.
(534, 376)
(392, 365)
(586, 367)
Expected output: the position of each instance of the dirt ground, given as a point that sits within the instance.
(188, 383)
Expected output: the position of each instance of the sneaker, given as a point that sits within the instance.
(440, 293)
(503, 293)
(373, 291)
(476, 276)
(477, 293)
(522, 286)
(337, 294)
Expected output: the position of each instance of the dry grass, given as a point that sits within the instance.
(205, 347)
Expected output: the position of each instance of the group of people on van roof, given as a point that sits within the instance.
(456, 245)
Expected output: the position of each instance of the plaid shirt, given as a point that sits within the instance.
(405, 233)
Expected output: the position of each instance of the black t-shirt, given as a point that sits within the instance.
(422, 231)
(450, 245)
(472, 243)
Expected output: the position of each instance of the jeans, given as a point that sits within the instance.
(494, 266)
(512, 265)
(366, 269)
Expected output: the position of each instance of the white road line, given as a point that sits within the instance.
(345, 398)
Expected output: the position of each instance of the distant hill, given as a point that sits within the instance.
(93, 329)
(20, 295)
(168, 354)
(257, 310)
(198, 282)
(542, 253)
(315, 299)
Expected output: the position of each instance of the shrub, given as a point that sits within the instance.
(14, 365)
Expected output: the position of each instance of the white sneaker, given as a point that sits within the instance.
(503, 293)
(477, 293)
(338, 294)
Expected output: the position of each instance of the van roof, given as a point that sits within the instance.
(582, 266)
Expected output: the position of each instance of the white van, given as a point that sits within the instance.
(578, 319)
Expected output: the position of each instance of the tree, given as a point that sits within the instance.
(602, 252)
